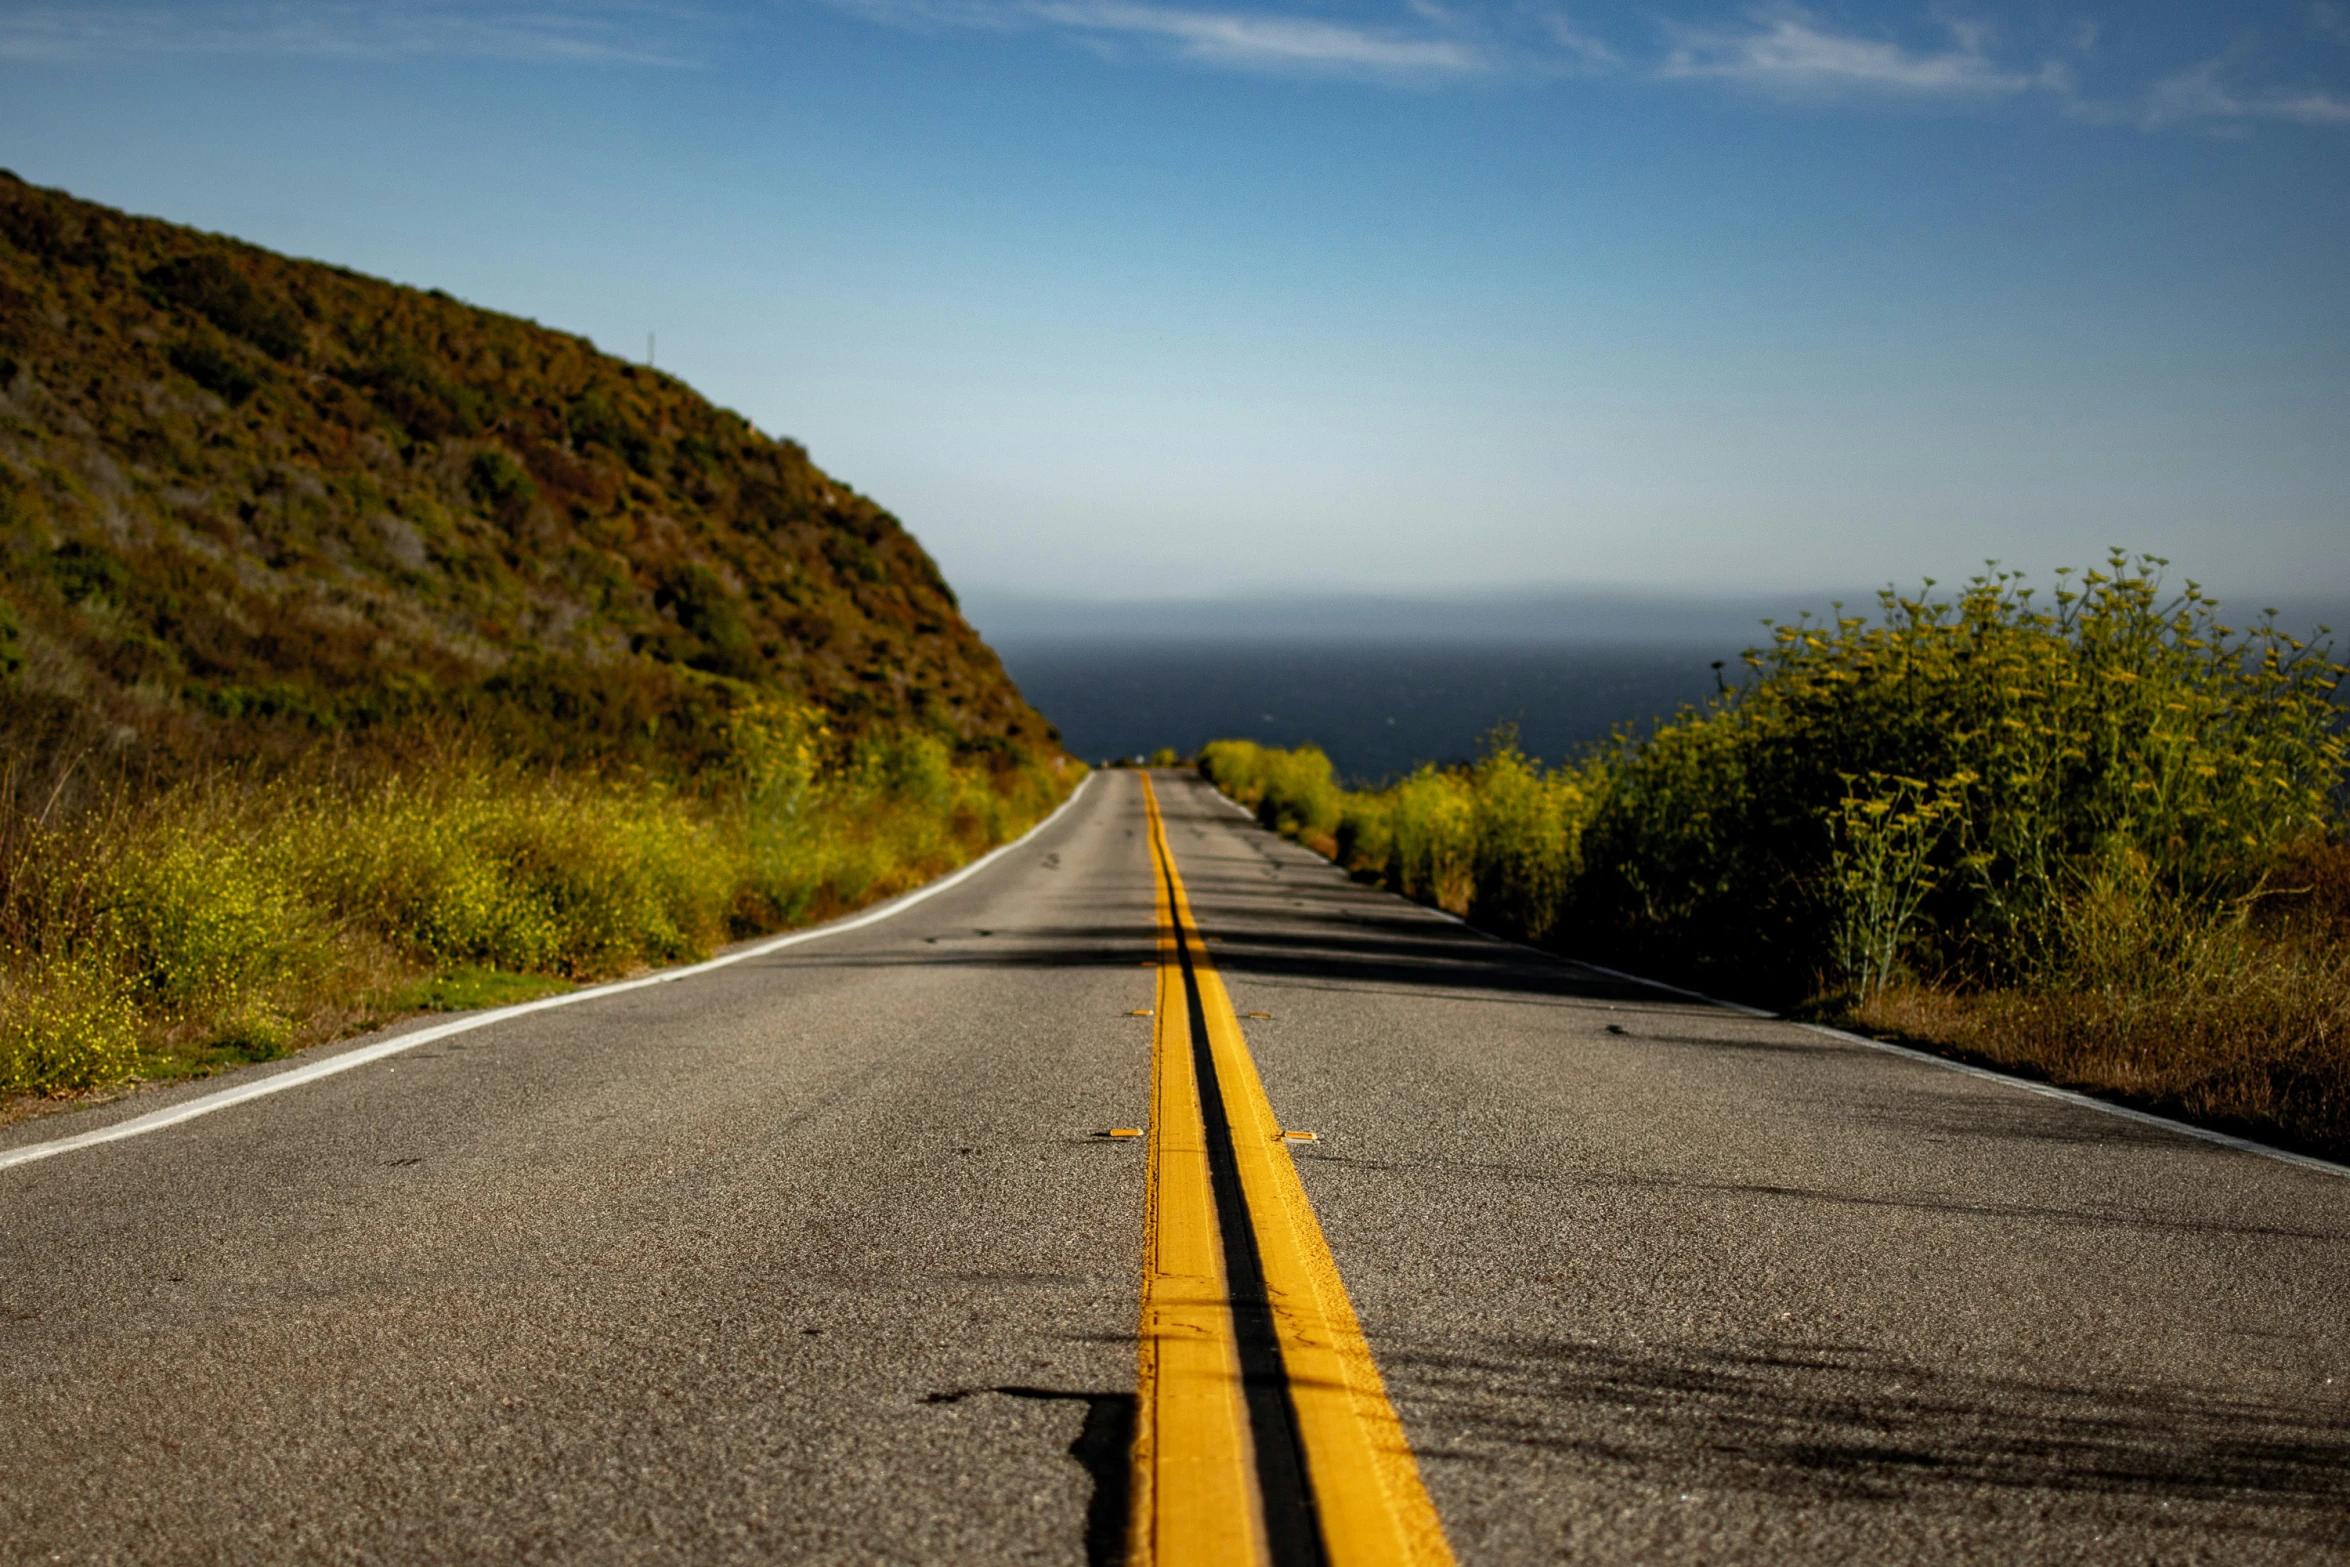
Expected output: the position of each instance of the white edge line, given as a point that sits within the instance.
(1964, 1068)
(1228, 800)
(2088, 1102)
(1989, 1075)
(1658, 984)
(349, 1060)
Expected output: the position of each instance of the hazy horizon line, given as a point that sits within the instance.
(1527, 615)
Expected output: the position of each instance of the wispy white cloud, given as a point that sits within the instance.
(1787, 50)
(1578, 46)
(2202, 95)
(1434, 43)
(1779, 48)
(1270, 41)
(550, 30)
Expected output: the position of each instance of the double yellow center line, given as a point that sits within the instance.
(1263, 1433)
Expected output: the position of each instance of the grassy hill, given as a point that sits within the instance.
(246, 500)
(363, 651)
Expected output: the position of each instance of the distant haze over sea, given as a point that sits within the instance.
(1378, 709)
(1613, 620)
(1384, 684)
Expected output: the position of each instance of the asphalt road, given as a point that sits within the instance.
(822, 1257)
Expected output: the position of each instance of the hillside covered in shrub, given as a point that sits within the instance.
(363, 651)
(247, 500)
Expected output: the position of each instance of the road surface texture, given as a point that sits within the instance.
(825, 1256)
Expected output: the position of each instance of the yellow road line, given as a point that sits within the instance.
(1194, 1487)
(1367, 1496)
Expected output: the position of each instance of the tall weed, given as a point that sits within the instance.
(238, 916)
(1292, 791)
(66, 1021)
(2113, 727)
(2085, 814)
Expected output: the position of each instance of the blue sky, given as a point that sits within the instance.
(1142, 297)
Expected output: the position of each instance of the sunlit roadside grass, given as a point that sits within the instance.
(2100, 839)
(235, 919)
(467, 989)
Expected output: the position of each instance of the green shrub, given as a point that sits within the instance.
(2100, 840)
(84, 570)
(11, 652)
(500, 485)
(207, 916)
(1366, 830)
(208, 284)
(65, 1022)
(1526, 832)
(2111, 728)
(1293, 792)
(1975, 786)
(515, 871)
(1880, 869)
(238, 919)
(911, 767)
(712, 614)
(779, 748)
(1432, 819)
(255, 1031)
(214, 370)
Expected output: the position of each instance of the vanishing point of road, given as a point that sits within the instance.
(1155, 1194)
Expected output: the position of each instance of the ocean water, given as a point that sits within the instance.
(1378, 709)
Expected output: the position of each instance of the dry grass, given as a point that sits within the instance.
(2267, 1056)
(232, 919)
(271, 533)
(2248, 1028)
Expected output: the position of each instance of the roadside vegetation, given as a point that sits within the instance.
(362, 650)
(2099, 837)
(233, 917)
